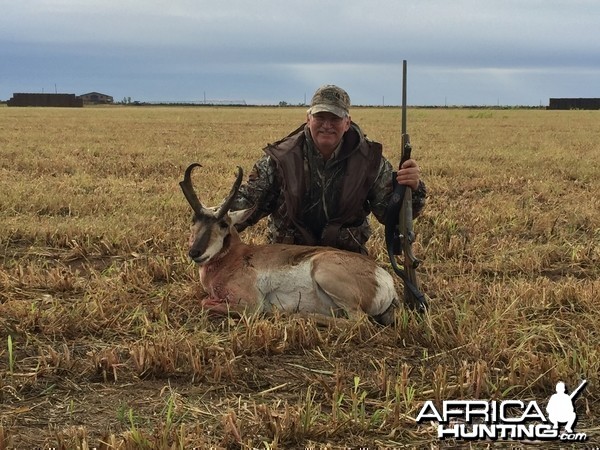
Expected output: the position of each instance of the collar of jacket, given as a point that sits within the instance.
(351, 141)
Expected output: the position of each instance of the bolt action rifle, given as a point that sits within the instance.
(399, 234)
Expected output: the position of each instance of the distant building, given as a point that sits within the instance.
(574, 103)
(35, 99)
(96, 98)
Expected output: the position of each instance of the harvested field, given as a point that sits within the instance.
(103, 343)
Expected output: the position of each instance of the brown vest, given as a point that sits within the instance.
(362, 167)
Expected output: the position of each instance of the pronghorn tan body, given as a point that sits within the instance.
(290, 278)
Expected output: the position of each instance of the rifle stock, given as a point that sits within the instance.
(399, 233)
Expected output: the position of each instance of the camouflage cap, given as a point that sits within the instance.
(330, 98)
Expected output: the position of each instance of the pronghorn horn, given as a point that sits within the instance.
(224, 209)
(188, 190)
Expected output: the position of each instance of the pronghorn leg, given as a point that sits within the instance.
(340, 285)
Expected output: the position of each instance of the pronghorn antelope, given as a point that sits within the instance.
(246, 278)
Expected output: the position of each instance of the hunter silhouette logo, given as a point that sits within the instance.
(560, 407)
(507, 419)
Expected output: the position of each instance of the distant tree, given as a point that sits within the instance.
(283, 103)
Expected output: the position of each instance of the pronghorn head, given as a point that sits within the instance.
(212, 227)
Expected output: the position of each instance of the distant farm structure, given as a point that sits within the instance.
(35, 99)
(574, 103)
(96, 98)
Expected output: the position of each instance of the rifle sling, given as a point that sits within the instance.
(407, 283)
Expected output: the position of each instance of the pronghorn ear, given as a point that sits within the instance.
(241, 215)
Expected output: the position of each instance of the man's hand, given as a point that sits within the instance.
(409, 174)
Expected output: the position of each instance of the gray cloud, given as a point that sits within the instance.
(475, 52)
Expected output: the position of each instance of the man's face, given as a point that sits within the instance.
(327, 130)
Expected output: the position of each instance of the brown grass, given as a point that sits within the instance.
(110, 349)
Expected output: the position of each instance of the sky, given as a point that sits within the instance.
(459, 52)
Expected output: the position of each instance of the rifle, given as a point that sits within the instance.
(399, 234)
(576, 392)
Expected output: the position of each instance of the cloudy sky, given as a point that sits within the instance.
(459, 52)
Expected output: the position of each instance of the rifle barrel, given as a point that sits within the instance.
(576, 391)
(403, 97)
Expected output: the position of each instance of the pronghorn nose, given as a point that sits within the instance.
(198, 246)
(196, 256)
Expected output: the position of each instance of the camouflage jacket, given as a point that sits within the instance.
(324, 200)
